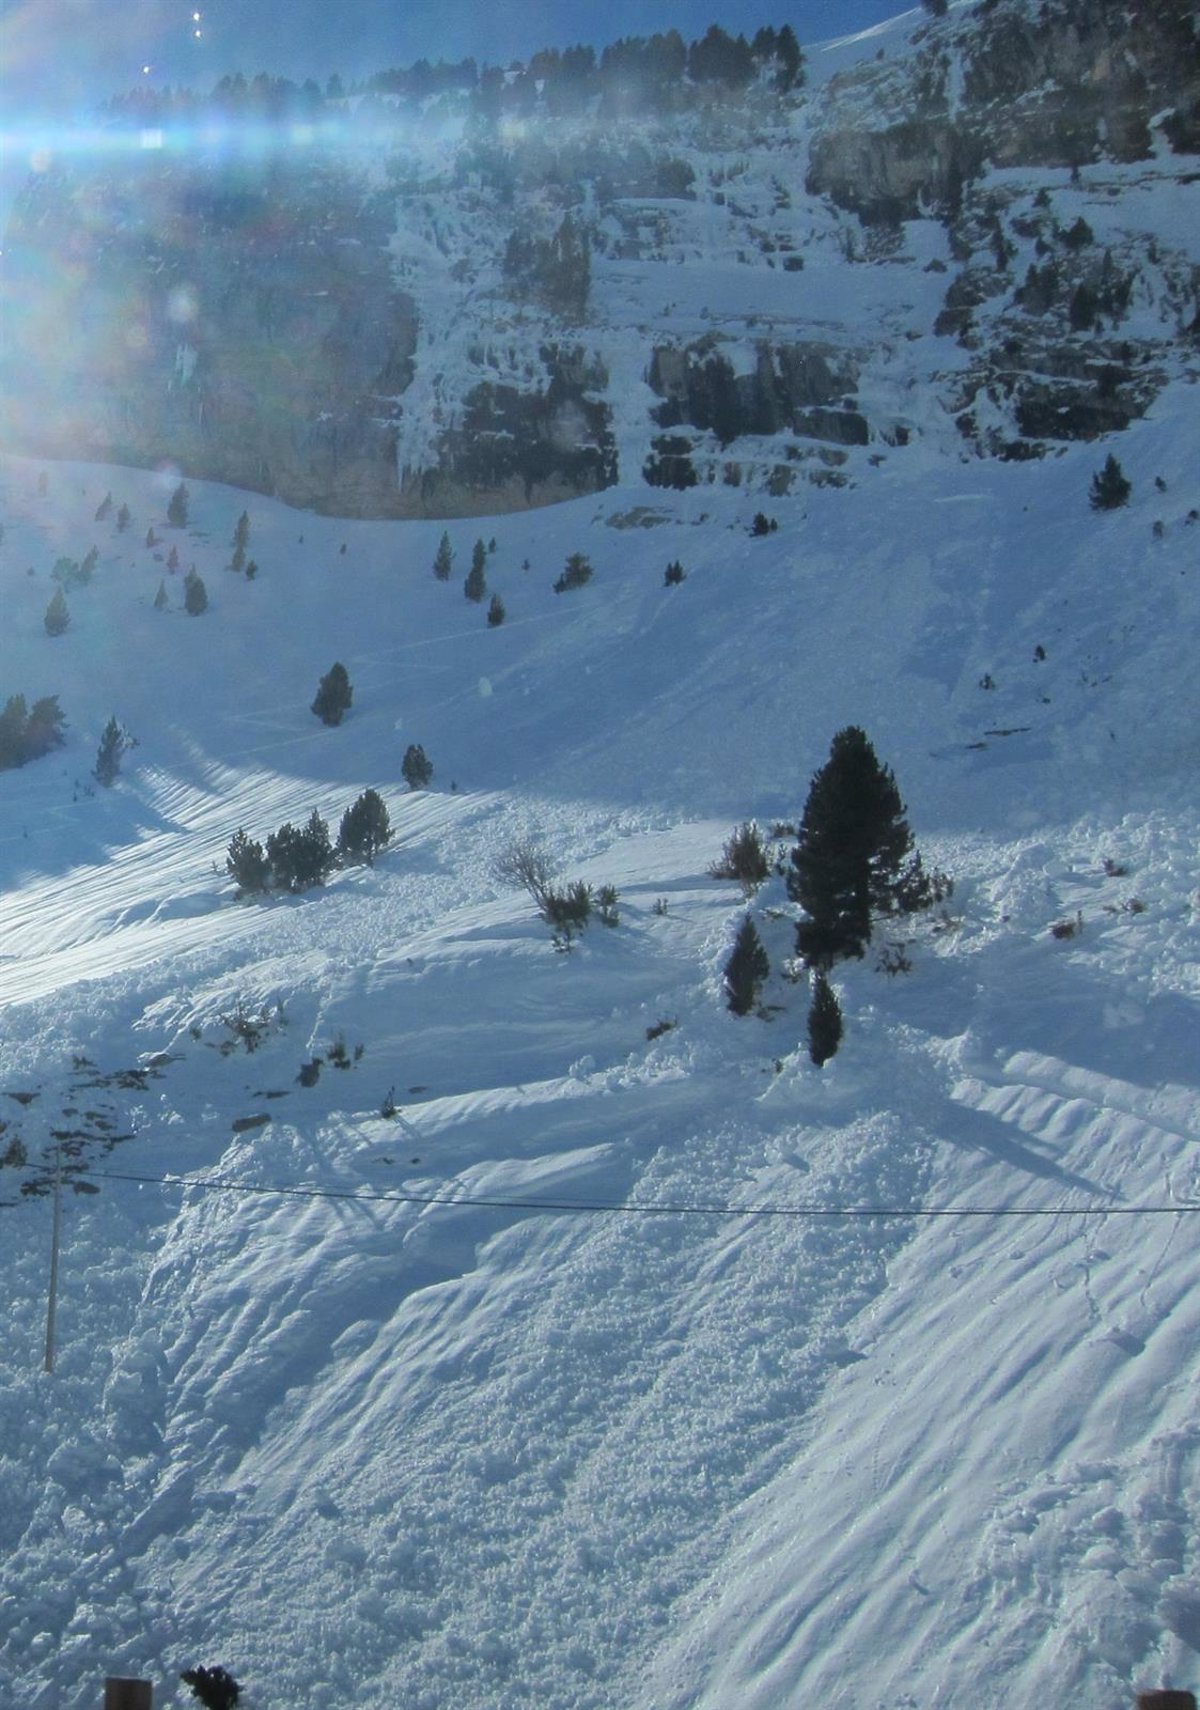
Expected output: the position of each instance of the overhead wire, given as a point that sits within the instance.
(634, 1208)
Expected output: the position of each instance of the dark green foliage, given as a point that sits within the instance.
(251, 569)
(607, 899)
(824, 1021)
(762, 525)
(444, 559)
(475, 586)
(195, 594)
(214, 1687)
(577, 573)
(104, 508)
(124, 518)
(160, 599)
(1082, 310)
(334, 695)
(57, 616)
(567, 911)
(743, 858)
(1110, 489)
(780, 49)
(173, 558)
(365, 829)
(746, 969)
(114, 744)
(151, 537)
(496, 612)
(88, 564)
(241, 535)
(1079, 235)
(673, 574)
(247, 863)
(177, 507)
(670, 463)
(29, 734)
(479, 554)
(300, 859)
(855, 855)
(416, 767)
(720, 58)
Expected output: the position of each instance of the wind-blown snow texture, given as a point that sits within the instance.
(360, 1446)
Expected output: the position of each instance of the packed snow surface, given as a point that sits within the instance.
(577, 1342)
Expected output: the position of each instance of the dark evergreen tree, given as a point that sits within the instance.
(444, 559)
(104, 508)
(44, 727)
(57, 616)
(743, 858)
(13, 724)
(160, 599)
(114, 744)
(577, 573)
(416, 767)
(195, 594)
(334, 695)
(173, 558)
(855, 855)
(124, 518)
(475, 586)
(88, 565)
(241, 534)
(177, 507)
(365, 829)
(824, 1021)
(301, 858)
(496, 612)
(247, 863)
(1110, 489)
(214, 1687)
(746, 969)
(673, 574)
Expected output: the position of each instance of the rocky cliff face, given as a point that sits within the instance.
(1057, 84)
(434, 311)
(241, 322)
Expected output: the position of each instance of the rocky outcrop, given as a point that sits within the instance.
(791, 387)
(1056, 85)
(242, 324)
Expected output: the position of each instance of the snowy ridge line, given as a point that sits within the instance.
(636, 1208)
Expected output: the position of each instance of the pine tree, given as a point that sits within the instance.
(160, 599)
(114, 743)
(824, 1021)
(104, 508)
(1110, 489)
(416, 767)
(195, 594)
(444, 559)
(241, 533)
(746, 969)
(88, 565)
(177, 507)
(577, 573)
(173, 558)
(302, 858)
(334, 695)
(496, 612)
(124, 518)
(365, 829)
(855, 855)
(57, 616)
(246, 862)
(475, 586)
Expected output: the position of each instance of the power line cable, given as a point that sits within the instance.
(635, 1208)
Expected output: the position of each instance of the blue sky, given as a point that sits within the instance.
(64, 53)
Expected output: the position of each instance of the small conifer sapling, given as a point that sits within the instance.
(746, 969)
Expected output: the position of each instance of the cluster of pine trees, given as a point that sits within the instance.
(297, 858)
(29, 732)
(854, 864)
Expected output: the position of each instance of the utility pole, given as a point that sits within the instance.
(55, 1242)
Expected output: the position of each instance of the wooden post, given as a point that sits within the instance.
(1166, 1700)
(128, 1694)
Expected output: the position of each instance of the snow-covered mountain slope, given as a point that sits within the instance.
(543, 1351)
